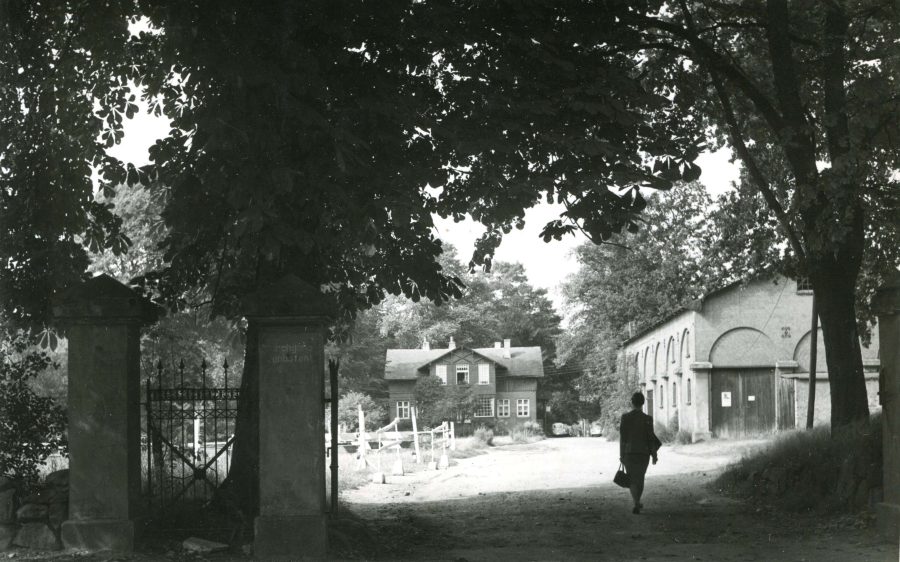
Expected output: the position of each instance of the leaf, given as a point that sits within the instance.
(691, 172)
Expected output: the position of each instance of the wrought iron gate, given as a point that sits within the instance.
(189, 430)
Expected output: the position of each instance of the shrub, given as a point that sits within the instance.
(532, 429)
(348, 412)
(484, 435)
(684, 437)
(518, 435)
(666, 433)
(818, 469)
(612, 433)
(32, 427)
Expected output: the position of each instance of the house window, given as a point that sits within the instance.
(804, 285)
(442, 374)
(484, 373)
(523, 407)
(403, 410)
(484, 408)
(503, 408)
(462, 374)
(674, 394)
(689, 392)
(662, 397)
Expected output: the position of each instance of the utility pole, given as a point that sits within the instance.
(813, 346)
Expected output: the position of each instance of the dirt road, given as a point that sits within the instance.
(555, 500)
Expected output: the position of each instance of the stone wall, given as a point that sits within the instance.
(822, 414)
(35, 521)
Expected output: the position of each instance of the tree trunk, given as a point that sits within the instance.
(835, 295)
(242, 483)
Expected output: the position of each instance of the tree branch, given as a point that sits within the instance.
(756, 175)
(705, 55)
(799, 144)
(837, 129)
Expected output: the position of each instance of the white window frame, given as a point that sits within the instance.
(484, 373)
(523, 407)
(462, 368)
(503, 408)
(478, 404)
(441, 373)
(403, 405)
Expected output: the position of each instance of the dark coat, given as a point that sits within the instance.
(636, 434)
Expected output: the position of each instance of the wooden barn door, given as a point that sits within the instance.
(742, 402)
(786, 414)
(758, 390)
(725, 404)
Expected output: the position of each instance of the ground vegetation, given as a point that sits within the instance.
(814, 470)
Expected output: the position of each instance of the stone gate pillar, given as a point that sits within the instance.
(103, 319)
(291, 317)
(887, 306)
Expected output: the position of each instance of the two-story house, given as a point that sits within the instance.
(504, 379)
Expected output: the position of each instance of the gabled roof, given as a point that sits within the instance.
(695, 305)
(409, 364)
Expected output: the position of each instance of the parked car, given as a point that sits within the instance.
(596, 429)
(559, 430)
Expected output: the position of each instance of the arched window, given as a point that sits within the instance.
(686, 342)
(674, 395)
(688, 392)
(662, 396)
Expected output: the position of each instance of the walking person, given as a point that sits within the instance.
(637, 444)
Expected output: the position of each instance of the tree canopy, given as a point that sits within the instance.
(692, 245)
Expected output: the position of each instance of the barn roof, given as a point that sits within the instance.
(694, 305)
(407, 364)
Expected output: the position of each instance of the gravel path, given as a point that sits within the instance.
(555, 500)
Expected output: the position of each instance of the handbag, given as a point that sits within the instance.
(622, 478)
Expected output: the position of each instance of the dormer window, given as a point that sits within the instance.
(462, 373)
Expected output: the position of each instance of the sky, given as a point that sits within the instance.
(547, 264)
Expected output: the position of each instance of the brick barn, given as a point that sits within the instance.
(736, 362)
(504, 380)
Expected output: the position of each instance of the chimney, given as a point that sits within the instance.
(506, 351)
(425, 345)
(497, 345)
(452, 344)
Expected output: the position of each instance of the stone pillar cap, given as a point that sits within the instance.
(104, 298)
(887, 296)
(289, 297)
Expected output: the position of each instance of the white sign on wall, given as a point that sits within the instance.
(751, 399)
(726, 399)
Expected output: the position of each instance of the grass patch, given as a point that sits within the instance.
(813, 470)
